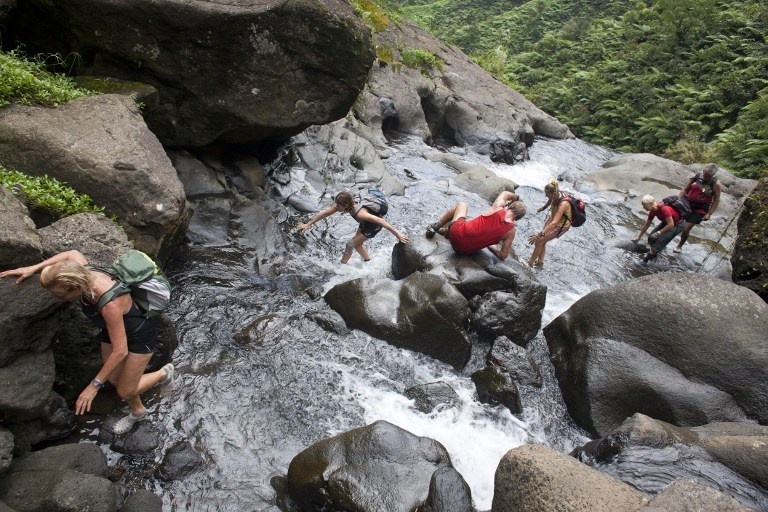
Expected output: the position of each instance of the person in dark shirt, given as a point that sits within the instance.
(703, 193)
(127, 339)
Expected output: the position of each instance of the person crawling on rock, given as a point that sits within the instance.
(671, 223)
(494, 226)
(368, 208)
(127, 340)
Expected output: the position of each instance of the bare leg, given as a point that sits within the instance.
(128, 385)
(540, 250)
(356, 243)
(684, 235)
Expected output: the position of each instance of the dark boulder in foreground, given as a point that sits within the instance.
(379, 467)
(422, 313)
(682, 348)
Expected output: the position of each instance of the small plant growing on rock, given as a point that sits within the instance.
(48, 194)
(28, 83)
(421, 59)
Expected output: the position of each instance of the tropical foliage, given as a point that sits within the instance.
(48, 194)
(27, 82)
(684, 78)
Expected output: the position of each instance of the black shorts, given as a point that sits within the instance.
(695, 218)
(369, 229)
(142, 336)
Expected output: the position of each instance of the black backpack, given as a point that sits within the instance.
(680, 204)
(578, 210)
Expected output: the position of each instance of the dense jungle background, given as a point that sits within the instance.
(687, 79)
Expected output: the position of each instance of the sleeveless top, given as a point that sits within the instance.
(700, 194)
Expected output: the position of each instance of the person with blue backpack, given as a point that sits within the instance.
(368, 209)
(128, 336)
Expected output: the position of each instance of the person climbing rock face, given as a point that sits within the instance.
(368, 209)
(557, 224)
(127, 338)
(703, 194)
(671, 223)
(494, 226)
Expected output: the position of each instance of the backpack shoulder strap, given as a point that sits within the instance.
(114, 292)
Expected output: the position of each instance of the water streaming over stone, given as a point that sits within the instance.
(261, 380)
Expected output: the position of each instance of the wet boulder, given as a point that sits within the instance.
(6, 449)
(100, 146)
(81, 457)
(683, 348)
(533, 478)
(427, 397)
(750, 267)
(180, 461)
(142, 501)
(448, 491)
(515, 361)
(222, 69)
(379, 467)
(57, 489)
(729, 457)
(474, 177)
(423, 312)
(496, 387)
(505, 299)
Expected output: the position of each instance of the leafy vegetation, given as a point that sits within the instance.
(416, 58)
(27, 82)
(48, 194)
(687, 79)
(373, 15)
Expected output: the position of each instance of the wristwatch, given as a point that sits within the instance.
(96, 382)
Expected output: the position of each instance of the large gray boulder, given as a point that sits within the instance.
(461, 103)
(682, 348)
(57, 489)
(234, 71)
(376, 468)
(101, 146)
(685, 495)
(422, 312)
(21, 243)
(532, 478)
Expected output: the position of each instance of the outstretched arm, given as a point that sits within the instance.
(553, 222)
(25, 272)
(365, 216)
(643, 229)
(301, 228)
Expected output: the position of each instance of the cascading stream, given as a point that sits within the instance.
(261, 381)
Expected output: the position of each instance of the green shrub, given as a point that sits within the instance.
(373, 16)
(26, 82)
(48, 194)
(421, 59)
